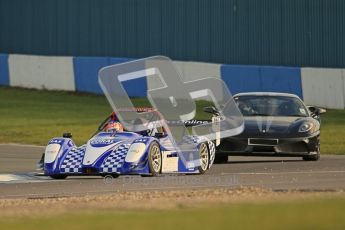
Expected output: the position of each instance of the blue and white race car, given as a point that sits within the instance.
(114, 151)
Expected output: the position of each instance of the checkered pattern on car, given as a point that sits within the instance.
(189, 140)
(212, 149)
(73, 160)
(196, 139)
(115, 160)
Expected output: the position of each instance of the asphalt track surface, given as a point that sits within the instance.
(19, 179)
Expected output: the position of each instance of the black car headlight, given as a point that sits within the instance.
(306, 127)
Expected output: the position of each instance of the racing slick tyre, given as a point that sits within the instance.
(204, 154)
(314, 157)
(155, 159)
(221, 159)
(58, 177)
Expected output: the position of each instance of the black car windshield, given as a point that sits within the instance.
(267, 105)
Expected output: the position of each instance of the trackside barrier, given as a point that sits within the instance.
(41, 72)
(4, 73)
(324, 87)
(241, 78)
(317, 86)
(86, 75)
(190, 71)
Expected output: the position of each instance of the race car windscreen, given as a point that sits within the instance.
(271, 106)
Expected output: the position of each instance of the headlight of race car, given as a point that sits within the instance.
(51, 153)
(135, 152)
(305, 127)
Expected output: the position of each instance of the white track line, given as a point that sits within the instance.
(20, 178)
(9, 177)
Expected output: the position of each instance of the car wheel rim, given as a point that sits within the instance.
(204, 157)
(156, 158)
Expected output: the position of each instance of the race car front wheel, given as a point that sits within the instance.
(155, 159)
(204, 154)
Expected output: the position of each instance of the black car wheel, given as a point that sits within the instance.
(313, 157)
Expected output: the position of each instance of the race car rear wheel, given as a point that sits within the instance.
(155, 159)
(58, 177)
(204, 155)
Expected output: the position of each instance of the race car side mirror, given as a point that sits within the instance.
(316, 110)
(67, 135)
(211, 109)
(322, 110)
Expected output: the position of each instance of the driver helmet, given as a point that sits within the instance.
(113, 126)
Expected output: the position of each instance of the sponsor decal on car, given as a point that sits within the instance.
(141, 140)
(56, 141)
(100, 142)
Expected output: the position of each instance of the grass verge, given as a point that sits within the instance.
(315, 214)
(34, 117)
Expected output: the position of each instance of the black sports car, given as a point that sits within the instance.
(276, 124)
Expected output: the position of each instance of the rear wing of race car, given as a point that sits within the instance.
(188, 123)
(210, 109)
(171, 123)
